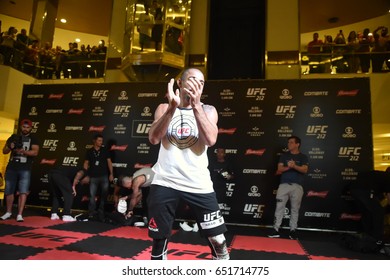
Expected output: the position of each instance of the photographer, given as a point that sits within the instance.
(23, 148)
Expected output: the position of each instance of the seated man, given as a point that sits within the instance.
(131, 188)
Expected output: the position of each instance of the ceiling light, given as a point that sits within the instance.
(77, 40)
(63, 20)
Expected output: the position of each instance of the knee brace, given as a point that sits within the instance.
(218, 247)
(159, 249)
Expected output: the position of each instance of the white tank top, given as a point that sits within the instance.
(182, 165)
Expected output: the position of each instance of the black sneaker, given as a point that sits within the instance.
(293, 235)
(274, 234)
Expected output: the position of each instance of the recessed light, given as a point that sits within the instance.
(63, 20)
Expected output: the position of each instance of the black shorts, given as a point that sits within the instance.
(162, 204)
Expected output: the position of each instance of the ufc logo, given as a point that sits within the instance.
(212, 216)
(230, 186)
(286, 109)
(143, 128)
(50, 142)
(256, 91)
(35, 125)
(183, 131)
(349, 151)
(100, 93)
(253, 208)
(71, 160)
(122, 109)
(314, 129)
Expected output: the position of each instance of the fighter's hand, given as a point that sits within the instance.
(74, 190)
(194, 91)
(129, 214)
(173, 96)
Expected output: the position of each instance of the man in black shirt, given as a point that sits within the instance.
(99, 166)
(368, 190)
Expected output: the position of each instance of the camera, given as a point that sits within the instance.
(17, 140)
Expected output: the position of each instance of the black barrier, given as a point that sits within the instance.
(332, 117)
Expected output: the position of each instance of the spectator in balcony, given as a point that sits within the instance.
(365, 43)
(100, 55)
(174, 33)
(327, 50)
(46, 62)
(381, 46)
(157, 29)
(22, 39)
(7, 45)
(351, 56)
(314, 53)
(144, 27)
(31, 59)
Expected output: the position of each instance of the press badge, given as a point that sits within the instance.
(97, 163)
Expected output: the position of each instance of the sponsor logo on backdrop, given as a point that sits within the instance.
(97, 111)
(316, 153)
(285, 131)
(120, 148)
(287, 111)
(146, 112)
(348, 111)
(229, 189)
(348, 92)
(285, 95)
(141, 128)
(227, 112)
(147, 94)
(35, 127)
(352, 153)
(315, 93)
(254, 192)
(100, 95)
(98, 129)
(76, 111)
(318, 131)
(322, 194)
(143, 148)
(254, 210)
(73, 128)
(317, 174)
(255, 112)
(317, 214)
(349, 174)
(56, 96)
(228, 151)
(71, 146)
(52, 128)
(142, 165)
(348, 133)
(120, 129)
(353, 217)
(44, 179)
(123, 95)
(226, 94)
(77, 96)
(316, 112)
(258, 94)
(70, 161)
(255, 132)
(50, 144)
(225, 208)
(48, 161)
(255, 152)
(229, 131)
(33, 111)
(54, 111)
(254, 171)
(45, 195)
(119, 165)
(122, 111)
(35, 96)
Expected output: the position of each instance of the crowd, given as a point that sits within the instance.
(42, 61)
(356, 53)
